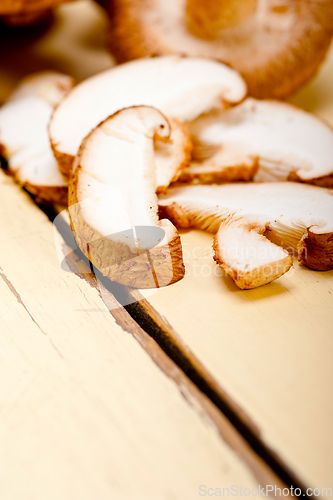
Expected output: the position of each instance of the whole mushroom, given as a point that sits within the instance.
(277, 45)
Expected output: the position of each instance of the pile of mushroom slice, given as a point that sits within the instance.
(125, 135)
(24, 141)
(233, 138)
(276, 45)
(263, 141)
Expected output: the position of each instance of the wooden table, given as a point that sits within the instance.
(199, 385)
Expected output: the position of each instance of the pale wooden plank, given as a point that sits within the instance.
(267, 352)
(85, 411)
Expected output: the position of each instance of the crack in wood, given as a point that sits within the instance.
(20, 301)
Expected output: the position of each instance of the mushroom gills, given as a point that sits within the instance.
(297, 216)
(263, 141)
(113, 205)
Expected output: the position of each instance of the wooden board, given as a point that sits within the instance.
(91, 407)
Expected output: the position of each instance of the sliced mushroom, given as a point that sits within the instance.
(113, 205)
(182, 88)
(263, 141)
(277, 45)
(296, 216)
(248, 256)
(24, 140)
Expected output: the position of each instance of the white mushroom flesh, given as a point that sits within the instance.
(248, 256)
(281, 138)
(117, 182)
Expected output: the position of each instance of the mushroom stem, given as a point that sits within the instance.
(207, 17)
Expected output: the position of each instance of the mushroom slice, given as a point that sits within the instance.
(24, 141)
(276, 45)
(296, 216)
(248, 256)
(113, 205)
(182, 88)
(263, 141)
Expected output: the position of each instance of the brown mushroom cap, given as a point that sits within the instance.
(277, 45)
